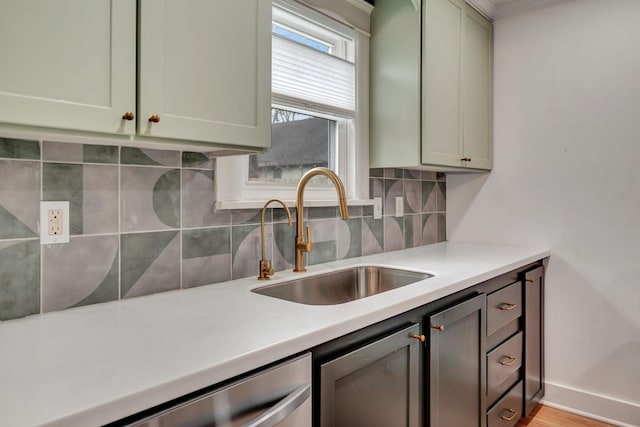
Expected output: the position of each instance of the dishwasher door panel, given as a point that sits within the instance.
(279, 396)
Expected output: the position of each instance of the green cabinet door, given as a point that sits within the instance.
(205, 71)
(68, 64)
(442, 137)
(477, 90)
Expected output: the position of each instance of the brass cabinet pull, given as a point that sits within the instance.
(438, 327)
(529, 280)
(420, 338)
(466, 159)
(507, 306)
(128, 116)
(512, 416)
(511, 361)
(154, 118)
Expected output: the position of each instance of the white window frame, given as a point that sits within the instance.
(235, 191)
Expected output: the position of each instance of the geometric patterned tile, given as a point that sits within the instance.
(392, 188)
(412, 174)
(147, 157)
(325, 244)
(20, 286)
(283, 245)
(412, 231)
(206, 256)
(81, 272)
(429, 228)
(441, 196)
(349, 238)
(372, 236)
(19, 149)
(429, 196)
(246, 248)
(61, 152)
(412, 196)
(442, 227)
(198, 200)
(92, 192)
(393, 173)
(197, 161)
(19, 199)
(250, 216)
(150, 263)
(150, 198)
(79, 153)
(393, 233)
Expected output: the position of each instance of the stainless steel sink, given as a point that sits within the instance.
(342, 286)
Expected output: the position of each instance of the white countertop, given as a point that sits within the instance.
(99, 363)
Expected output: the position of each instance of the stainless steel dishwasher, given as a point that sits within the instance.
(278, 396)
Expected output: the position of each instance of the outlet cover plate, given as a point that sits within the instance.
(377, 207)
(61, 210)
(399, 206)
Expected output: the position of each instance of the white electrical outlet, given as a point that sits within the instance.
(399, 206)
(377, 207)
(54, 222)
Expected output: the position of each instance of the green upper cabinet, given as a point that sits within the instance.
(68, 64)
(431, 85)
(204, 71)
(199, 69)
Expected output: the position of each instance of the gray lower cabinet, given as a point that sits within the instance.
(457, 365)
(377, 385)
(533, 341)
(480, 364)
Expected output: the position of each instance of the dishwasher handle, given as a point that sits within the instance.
(282, 409)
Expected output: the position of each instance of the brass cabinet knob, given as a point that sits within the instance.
(438, 327)
(154, 118)
(128, 116)
(420, 338)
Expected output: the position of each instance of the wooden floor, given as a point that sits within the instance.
(544, 416)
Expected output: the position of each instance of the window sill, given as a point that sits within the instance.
(258, 204)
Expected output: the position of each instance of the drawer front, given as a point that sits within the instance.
(503, 306)
(502, 363)
(508, 411)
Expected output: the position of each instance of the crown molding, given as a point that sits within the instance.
(520, 7)
(485, 7)
(362, 5)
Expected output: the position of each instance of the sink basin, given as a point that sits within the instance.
(342, 286)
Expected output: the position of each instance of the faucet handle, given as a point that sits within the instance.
(266, 269)
(306, 246)
(309, 242)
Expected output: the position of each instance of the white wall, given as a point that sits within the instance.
(567, 177)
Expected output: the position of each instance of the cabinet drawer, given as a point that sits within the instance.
(502, 363)
(503, 306)
(508, 411)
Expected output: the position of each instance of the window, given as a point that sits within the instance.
(301, 142)
(314, 115)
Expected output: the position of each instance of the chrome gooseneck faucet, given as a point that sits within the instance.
(303, 246)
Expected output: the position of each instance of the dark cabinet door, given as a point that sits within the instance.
(533, 338)
(457, 365)
(374, 386)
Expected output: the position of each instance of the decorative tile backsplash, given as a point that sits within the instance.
(144, 221)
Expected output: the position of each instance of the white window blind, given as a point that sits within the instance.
(312, 77)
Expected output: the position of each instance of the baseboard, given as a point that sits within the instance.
(598, 407)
